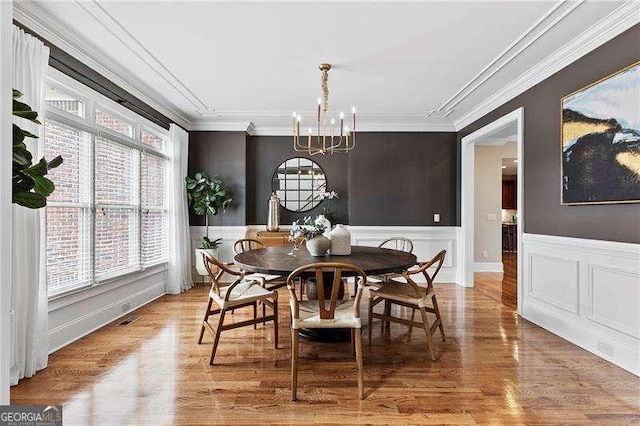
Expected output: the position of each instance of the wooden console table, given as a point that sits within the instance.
(271, 239)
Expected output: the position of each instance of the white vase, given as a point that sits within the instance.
(340, 241)
(200, 268)
(318, 246)
(326, 224)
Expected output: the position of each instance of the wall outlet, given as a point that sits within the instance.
(436, 217)
(126, 307)
(605, 348)
(491, 217)
(485, 254)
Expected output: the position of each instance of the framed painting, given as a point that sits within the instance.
(601, 141)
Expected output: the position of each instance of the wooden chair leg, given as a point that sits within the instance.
(294, 364)
(255, 315)
(358, 344)
(387, 313)
(264, 311)
(353, 342)
(206, 317)
(275, 321)
(427, 329)
(438, 318)
(370, 318)
(216, 338)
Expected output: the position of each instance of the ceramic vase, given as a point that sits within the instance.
(200, 268)
(318, 246)
(340, 241)
(326, 224)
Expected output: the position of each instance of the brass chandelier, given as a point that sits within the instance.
(327, 139)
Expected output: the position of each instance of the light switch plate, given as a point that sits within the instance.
(436, 217)
(491, 217)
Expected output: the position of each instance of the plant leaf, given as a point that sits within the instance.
(29, 199)
(55, 162)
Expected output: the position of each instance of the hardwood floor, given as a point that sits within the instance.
(501, 286)
(495, 368)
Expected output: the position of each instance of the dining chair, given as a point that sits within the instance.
(394, 243)
(270, 282)
(414, 296)
(242, 292)
(328, 311)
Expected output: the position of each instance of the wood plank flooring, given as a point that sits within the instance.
(495, 368)
(501, 286)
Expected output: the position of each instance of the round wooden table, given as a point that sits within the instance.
(279, 261)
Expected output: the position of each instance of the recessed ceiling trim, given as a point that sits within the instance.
(518, 46)
(34, 18)
(612, 25)
(128, 40)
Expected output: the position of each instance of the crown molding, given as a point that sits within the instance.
(111, 24)
(223, 126)
(543, 25)
(31, 16)
(277, 123)
(612, 25)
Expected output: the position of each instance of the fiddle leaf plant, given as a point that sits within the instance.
(207, 197)
(30, 186)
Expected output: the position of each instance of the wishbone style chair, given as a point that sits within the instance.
(395, 243)
(328, 311)
(242, 292)
(414, 296)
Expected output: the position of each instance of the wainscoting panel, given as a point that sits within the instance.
(587, 292)
(427, 242)
(555, 281)
(615, 287)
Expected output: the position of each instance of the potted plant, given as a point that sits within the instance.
(30, 186)
(207, 197)
(311, 230)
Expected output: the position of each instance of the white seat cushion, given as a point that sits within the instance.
(310, 317)
(245, 291)
(262, 277)
(402, 292)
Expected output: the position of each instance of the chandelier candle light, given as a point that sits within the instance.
(326, 140)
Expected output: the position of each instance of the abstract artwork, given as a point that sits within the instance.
(601, 141)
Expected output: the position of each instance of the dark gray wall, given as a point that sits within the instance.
(390, 179)
(544, 213)
(403, 179)
(265, 153)
(222, 154)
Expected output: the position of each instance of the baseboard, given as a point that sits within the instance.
(622, 355)
(488, 267)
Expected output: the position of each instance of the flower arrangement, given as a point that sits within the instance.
(308, 229)
(327, 211)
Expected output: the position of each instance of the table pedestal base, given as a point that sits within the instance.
(326, 334)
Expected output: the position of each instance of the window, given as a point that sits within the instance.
(107, 216)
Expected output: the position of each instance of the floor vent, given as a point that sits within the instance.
(128, 320)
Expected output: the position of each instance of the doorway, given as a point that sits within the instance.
(508, 126)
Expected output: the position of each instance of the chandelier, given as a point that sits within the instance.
(326, 138)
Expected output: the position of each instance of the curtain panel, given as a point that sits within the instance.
(28, 258)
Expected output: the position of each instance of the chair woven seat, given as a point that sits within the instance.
(243, 292)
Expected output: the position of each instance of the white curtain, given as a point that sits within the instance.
(179, 278)
(28, 257)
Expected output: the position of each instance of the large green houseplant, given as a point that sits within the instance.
(30, 186)
(207, 197)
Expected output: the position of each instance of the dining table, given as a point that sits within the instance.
(282, 260)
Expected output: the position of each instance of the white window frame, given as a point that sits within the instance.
(91, 100)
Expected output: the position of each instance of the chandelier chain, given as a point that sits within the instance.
(324, 78)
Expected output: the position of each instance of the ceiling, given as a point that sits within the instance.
(226, 66)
